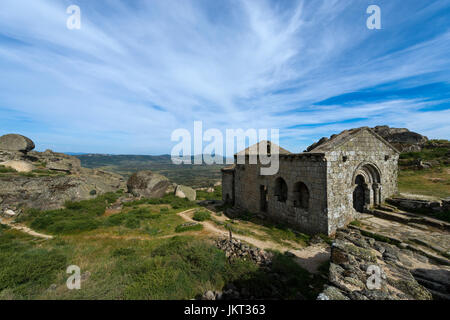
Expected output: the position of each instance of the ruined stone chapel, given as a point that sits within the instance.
(320, 190)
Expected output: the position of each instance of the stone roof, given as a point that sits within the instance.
(329, 144)
(250, 150)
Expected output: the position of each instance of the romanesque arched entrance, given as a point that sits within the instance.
(366, 187)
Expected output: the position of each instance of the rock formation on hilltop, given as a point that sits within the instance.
(45, 180)
(400, 138)
(16, 142)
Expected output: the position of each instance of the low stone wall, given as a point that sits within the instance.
(420, 205)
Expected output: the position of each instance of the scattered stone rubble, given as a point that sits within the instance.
(353, 257)
(237, 249)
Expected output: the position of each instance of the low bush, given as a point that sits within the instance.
(201, 216)
(4, 169)
(76, 217)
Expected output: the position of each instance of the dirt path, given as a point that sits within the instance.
(310, 258)
(25, 229)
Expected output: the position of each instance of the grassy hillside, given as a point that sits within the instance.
(433, 181)
(191, 175)
(139, 252)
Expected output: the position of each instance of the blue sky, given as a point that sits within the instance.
(137, 70)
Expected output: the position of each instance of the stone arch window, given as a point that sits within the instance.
(301, 196)
(281, 189)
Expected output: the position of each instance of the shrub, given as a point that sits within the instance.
(201, 215)
(4, 169)
(76, 217)
(132, 223)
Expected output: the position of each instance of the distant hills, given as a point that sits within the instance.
(191, 175)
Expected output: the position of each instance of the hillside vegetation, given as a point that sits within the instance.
(142, 251)
(426, 172)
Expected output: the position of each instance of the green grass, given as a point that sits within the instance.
(87, 215)
(75, 217)
(25, 268)
(179, 267)
(430, 182)
(201, 215)
(127, 257)
(184, 228)
(131, 219)
(4, 169)
(356, 223)
(277, 232)
(216, 195)
(170, 199)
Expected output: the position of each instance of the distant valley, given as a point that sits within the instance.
(192, 175)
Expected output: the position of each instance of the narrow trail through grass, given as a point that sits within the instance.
(24, 229)
(310, 258)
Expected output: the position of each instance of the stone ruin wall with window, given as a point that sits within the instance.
(285, 205)
(321, 190)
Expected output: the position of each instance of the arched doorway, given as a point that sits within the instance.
(359, 196)
(301, 196)
(366, 187)
(281, 190)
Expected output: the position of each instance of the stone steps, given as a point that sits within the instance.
(410, 218)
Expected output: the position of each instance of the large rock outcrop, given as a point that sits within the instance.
(362, 268)
(185, 192)
(147, 184)
(401, 138)
(16, 142)
(59, 177)
(18, 165)
(51, 192)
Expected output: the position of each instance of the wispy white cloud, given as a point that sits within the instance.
(138, 70)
